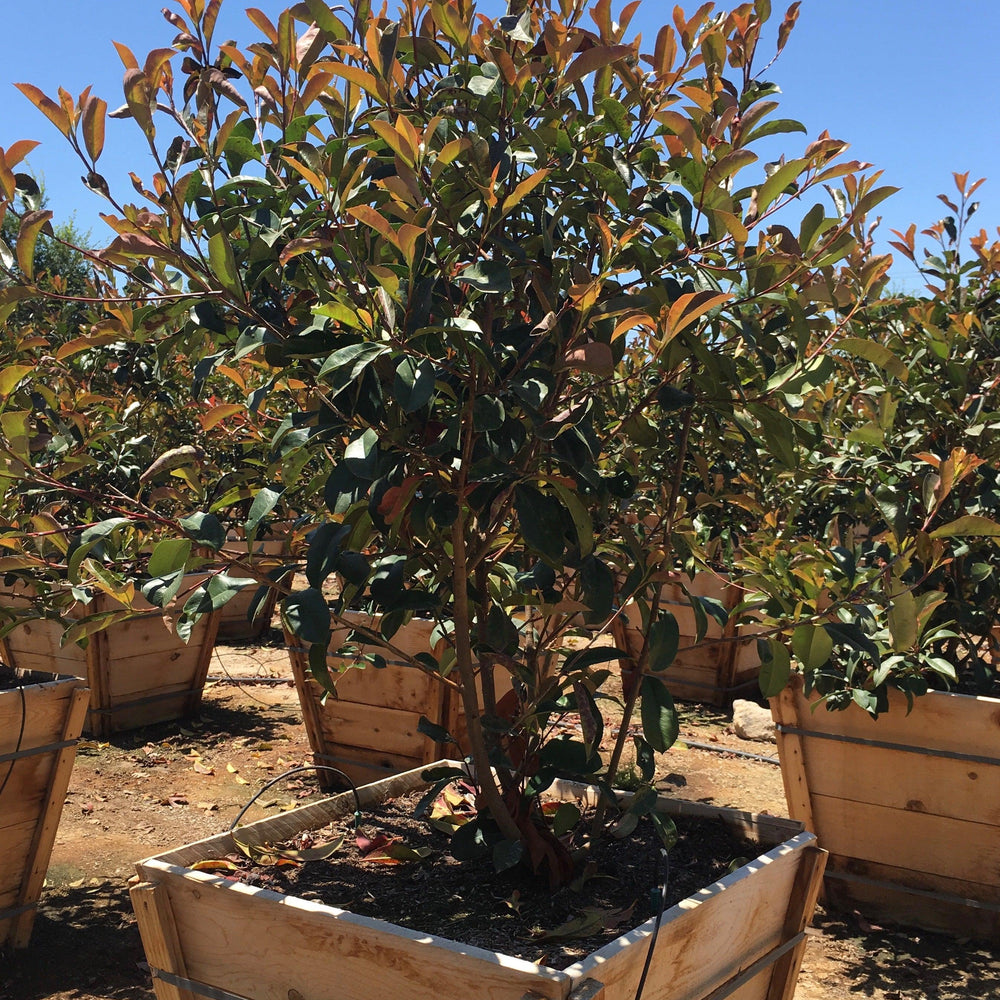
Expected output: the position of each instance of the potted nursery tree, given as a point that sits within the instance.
(81, 407)
(896, 779)
(446, 228)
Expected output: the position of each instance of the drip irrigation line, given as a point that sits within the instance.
(719, 748)
(299, 770)
(661, 905)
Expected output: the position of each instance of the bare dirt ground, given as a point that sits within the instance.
(158, 788)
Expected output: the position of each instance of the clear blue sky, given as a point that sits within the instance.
(911, 84)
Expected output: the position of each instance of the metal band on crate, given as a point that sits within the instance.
(48, 748)
(971, 758)
(940, 897)
(199, 989)
(729, 987)
(17, 911)
(121, 706)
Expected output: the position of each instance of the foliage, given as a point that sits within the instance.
(506, 285)
(900, 503)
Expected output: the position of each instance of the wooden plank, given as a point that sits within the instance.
(954, 723)
(159, 938)
(361, 764)
(792, 755)
(15, 843)
(37, 861)
(388, 729)
(801, 905)
(899, 780)
(328, 954)
(940, 904)
(918, 841)
(745, 910)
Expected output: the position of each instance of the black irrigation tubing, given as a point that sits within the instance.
(720, 748)
(223, 679)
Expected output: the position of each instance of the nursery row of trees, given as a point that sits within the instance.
(505, 313)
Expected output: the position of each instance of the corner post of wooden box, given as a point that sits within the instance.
(792, 757)
(204, 661)
(45, 832)
(98, 652)
(308, 701)
(805, 893)
(159, 938)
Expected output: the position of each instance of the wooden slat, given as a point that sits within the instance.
(15, 842)
(953, 723)
(801, 904)
(939, 845)
(37, 861)
(159, 938)
(792, 755)
(897, 895)
(326, 954)
(900, 780)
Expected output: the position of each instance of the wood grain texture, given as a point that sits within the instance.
(341, 956)
(915, 822)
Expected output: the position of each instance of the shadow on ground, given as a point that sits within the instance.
(85, 943)
(908, 963)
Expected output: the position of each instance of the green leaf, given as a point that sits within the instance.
(971, 525)
(307, 616)
(507, 854)
(161, 590)
(169, 555)
(488, 276)
(567, 816)
(437, 733)
(660, 724)
(542, 520)
(361, 456)
(877, 354)
(775, 669)
(102, 529)
(205, 529)
(263, 503)
(223, 263)
(664, 639)
(903, 626)
(812, 646)
(414, 384)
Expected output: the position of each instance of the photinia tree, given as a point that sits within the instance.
(508, 284)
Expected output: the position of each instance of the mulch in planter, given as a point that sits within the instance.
(513, 912)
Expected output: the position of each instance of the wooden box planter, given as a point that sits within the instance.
(742, 937)
(720, 668)
(40, 723)
(139, 671)
(234, 621)
(369, 730)
(907, 805)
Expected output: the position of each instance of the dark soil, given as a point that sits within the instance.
(515, 912)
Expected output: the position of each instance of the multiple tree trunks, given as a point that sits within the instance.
(742, 937)
(40, 724)
(139, 671)
(370, 729)
(723, 665)
(908, 805)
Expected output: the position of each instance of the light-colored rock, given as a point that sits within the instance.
(751, 722)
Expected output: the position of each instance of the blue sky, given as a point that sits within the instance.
(911, 84)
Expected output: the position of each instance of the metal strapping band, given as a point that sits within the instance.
(17, 911)
(732, 985)
(971, 758)
(941, 897)
(200, 989)
(121, 706)
(17, 755)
